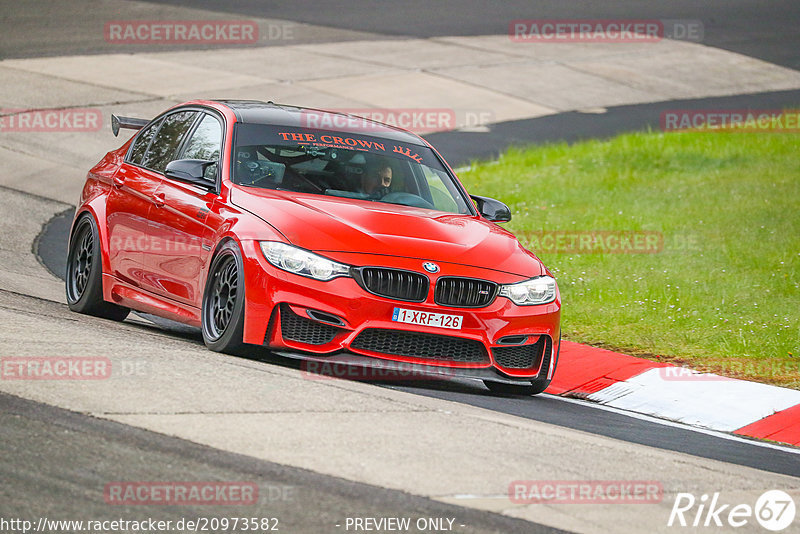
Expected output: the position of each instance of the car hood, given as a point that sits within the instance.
(330, 224)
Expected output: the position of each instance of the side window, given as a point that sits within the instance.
(141, 143)
(441, 194)
(205, 143)
(168, 139)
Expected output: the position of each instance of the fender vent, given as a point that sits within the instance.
(304, 330)
(520, 356)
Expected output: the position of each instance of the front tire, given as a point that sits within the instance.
(223, 302)
(84, 276)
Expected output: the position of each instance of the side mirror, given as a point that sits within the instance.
(491, 209)
(191, 171)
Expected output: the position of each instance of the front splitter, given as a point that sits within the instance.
(351, 366)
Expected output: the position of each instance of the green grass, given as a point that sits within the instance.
(722, 295)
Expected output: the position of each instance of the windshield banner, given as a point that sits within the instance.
(252, 134)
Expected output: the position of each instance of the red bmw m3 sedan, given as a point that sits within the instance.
(319, 235)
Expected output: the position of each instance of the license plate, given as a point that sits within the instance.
(439, 320)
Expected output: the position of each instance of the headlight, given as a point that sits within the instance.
(539, 290)
(300, 261)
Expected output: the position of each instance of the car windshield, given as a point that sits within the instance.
(346, 165)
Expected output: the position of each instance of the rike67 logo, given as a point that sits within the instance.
(774, 510)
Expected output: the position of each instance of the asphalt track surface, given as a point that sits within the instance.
(772, 35)
(63, 484)
(766, 30)
(77, 455)
(583, 416)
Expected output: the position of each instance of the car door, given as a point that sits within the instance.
(128, 207)
(181, 229)
(166, 141)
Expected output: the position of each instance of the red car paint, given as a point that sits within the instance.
(159, 236)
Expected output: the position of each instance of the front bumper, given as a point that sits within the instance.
(297, 315)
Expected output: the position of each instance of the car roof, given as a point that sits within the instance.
(258, 112)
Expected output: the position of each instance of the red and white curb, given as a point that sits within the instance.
(669, 392)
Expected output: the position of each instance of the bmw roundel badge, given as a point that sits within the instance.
(430, 267)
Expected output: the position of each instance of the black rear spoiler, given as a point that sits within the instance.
(126, 122)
